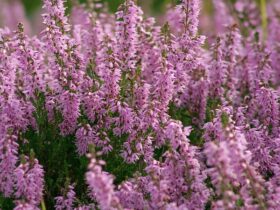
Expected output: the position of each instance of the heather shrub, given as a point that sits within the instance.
(126, 111)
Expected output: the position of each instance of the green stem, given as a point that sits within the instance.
(43, 206)
(264, 18)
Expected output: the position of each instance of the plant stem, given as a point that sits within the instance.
(43, 206)
(264, 18)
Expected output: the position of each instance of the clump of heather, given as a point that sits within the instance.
(126, 111)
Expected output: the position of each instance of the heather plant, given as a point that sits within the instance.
(127, 111)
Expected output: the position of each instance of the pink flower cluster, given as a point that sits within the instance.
(128, 77)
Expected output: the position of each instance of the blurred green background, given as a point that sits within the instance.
(154, 6)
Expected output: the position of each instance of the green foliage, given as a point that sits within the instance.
(116, 165)
(224, 119)
(160, 151)
(212, 105)
(183, 115)
(239, 203)
(55, 153)
(61, 163)
(6, 203)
